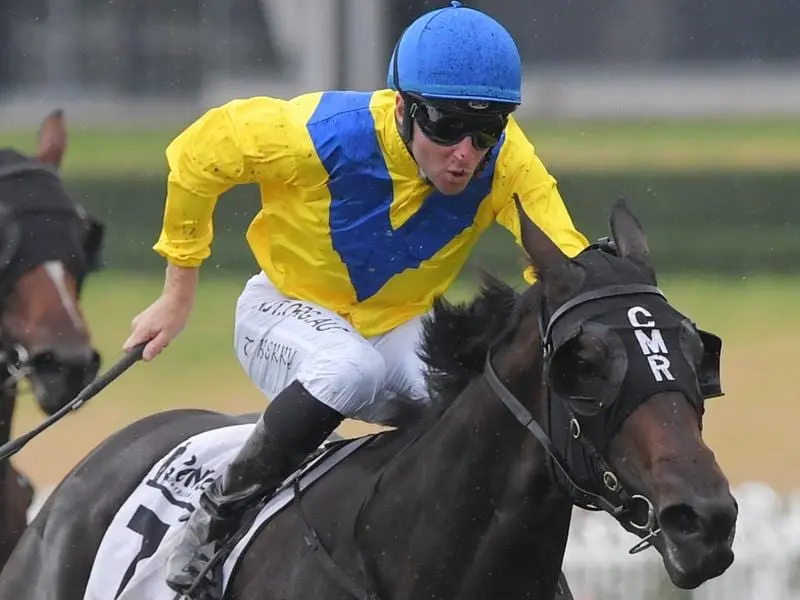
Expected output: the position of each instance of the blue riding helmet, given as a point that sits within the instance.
(457, 53)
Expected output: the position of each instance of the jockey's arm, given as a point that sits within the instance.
(180, 283)
(244, 141)
(241, 142)
(522, 172)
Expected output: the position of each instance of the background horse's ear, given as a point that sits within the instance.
(52, 139)
(545, 255)
(629, 237)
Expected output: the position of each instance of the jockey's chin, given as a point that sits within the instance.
(448, 168)
(451, 183)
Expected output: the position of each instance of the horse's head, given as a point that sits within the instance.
(626, 376)
(48, 244)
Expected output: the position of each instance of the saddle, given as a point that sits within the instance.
(208, 583)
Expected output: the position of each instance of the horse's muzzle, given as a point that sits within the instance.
(56, 382)
(697, 539)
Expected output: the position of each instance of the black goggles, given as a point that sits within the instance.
(447, 128)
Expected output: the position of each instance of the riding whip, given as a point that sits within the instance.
(10, 448)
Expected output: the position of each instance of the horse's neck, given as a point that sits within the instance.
(475, 509)
(7, 402)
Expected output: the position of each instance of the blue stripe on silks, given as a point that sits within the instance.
(343, 132)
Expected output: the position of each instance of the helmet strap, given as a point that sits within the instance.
(406, 130)
(410, 108)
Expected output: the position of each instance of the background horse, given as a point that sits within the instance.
(587, 389)
(47, 246)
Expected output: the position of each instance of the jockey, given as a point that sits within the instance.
(370, 205)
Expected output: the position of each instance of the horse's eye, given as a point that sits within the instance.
(590, 351)
(584, 367)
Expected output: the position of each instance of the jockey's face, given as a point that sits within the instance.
(448, 167)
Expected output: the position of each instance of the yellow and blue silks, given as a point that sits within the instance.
(346, 220)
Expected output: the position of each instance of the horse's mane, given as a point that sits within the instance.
(456, 337)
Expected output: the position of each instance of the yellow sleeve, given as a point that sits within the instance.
(520, 171)
(243, 141)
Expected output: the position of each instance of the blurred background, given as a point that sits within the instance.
(691, 109)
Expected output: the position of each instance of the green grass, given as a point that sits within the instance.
(741, 310)
(574, 145)
(668, 145)
(102, 152)
(201, 360)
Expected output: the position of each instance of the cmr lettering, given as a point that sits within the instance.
(652, 346)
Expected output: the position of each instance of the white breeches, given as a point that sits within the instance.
(280, 339)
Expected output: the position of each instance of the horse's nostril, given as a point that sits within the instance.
(43, 360)
(86, 360)
(680, 520)
(712, 519)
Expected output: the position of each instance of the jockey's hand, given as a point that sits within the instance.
(163, 320)
(158, 324)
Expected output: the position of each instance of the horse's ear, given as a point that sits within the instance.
(543, 252)
(630, 238)
(52, 139)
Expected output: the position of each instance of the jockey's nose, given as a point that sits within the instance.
(466, 151)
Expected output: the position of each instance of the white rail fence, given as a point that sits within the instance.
(766, 567)
(767, 547)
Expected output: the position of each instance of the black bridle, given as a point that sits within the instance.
(612, 496)
(14, 357)
(619, 501)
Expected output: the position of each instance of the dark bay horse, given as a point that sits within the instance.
(586, 389)
(47, 246)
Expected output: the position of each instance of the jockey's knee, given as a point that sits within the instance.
(346, 378)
